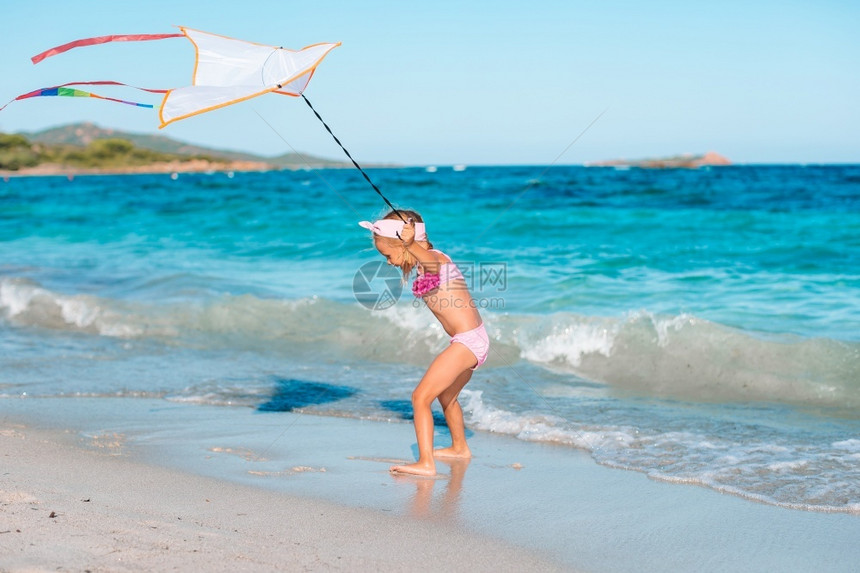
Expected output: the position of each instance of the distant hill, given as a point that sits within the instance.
(687, 160)
(82, 134)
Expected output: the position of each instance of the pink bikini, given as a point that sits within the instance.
(476, 339)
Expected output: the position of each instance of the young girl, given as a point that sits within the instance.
(440, 283)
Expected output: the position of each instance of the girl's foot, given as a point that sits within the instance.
(415, 469)
(464, 453)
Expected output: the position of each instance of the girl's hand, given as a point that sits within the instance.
(407, 235)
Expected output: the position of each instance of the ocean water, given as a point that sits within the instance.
(699, 326)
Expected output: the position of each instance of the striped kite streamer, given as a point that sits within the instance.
(65, 91)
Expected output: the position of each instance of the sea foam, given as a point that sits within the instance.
(688, 357)
(668, 356)
(29, 304)
(777, 469)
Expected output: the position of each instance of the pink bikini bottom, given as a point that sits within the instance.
(477, 341)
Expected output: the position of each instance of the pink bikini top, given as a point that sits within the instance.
(426, 282)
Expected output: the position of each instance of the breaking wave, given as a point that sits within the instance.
(670, 356)
(688, 357)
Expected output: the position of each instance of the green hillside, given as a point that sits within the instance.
(84, 134)
(18, 152)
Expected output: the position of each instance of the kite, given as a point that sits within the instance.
(226, 71)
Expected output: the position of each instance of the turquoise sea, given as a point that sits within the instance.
(699, 326)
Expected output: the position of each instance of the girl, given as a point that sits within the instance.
(440, 284)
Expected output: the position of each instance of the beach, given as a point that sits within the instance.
(66, 504)
(170, 167)
(113, 485)
(672, 381)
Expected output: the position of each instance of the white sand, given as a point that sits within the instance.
(67, 509)
(176, 486)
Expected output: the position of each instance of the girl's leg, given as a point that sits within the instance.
(443, 372)
(454, 418)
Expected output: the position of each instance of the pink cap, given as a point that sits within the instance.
(392, 228)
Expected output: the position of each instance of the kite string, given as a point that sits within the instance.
(354, 162)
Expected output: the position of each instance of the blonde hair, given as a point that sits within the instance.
(409, 260)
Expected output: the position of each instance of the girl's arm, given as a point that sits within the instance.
(424, 256)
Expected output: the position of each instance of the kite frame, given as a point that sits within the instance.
(234, 101)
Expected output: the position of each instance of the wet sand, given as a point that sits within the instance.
(63, 508)
(120, 484)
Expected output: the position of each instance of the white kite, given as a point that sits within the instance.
(226, 71)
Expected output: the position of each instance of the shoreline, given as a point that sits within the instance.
(50, 170)
(549, 506)
(169, 169)
(67, 508)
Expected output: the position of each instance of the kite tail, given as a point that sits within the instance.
(64, 90)
(354, 162)
(101, 40)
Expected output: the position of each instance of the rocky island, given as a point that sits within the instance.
(684, 161)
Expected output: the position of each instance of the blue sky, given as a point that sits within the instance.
(476, 82)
